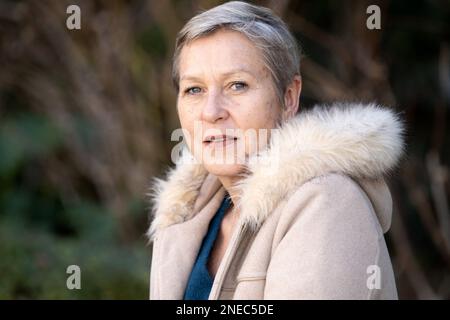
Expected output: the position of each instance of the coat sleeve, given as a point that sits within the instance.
(153, 285)
(330, 246)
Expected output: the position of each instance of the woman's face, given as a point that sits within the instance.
(226, 97)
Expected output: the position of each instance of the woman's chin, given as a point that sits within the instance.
(223, 169)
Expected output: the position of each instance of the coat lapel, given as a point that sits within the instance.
(180, 243)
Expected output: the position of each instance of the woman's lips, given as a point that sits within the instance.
(217, 141)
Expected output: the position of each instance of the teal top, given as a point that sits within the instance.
(200, 281)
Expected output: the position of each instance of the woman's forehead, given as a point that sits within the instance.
(224, 53)
(226, 72)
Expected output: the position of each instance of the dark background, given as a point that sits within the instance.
(86, 117)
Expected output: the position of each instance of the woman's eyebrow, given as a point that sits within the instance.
(223, 75)
(239, 70)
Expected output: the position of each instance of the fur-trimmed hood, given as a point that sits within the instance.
(361, 141)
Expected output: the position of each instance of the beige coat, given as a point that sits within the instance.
(311, 226)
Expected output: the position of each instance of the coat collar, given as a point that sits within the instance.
(361, 141)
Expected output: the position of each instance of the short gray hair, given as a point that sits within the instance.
(280, 51)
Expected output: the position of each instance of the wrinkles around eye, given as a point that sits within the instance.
(235, 86)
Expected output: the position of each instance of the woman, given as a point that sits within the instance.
(300, 211)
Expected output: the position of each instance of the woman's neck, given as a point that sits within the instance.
(228, 182)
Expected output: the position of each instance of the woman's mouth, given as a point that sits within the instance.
(219, 140)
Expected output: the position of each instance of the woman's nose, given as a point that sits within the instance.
(214, 108)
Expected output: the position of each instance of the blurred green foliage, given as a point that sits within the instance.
(41, 236)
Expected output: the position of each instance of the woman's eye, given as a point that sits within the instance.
(239, 85)
(193, 90)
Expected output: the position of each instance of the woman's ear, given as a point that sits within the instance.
(292, 97)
